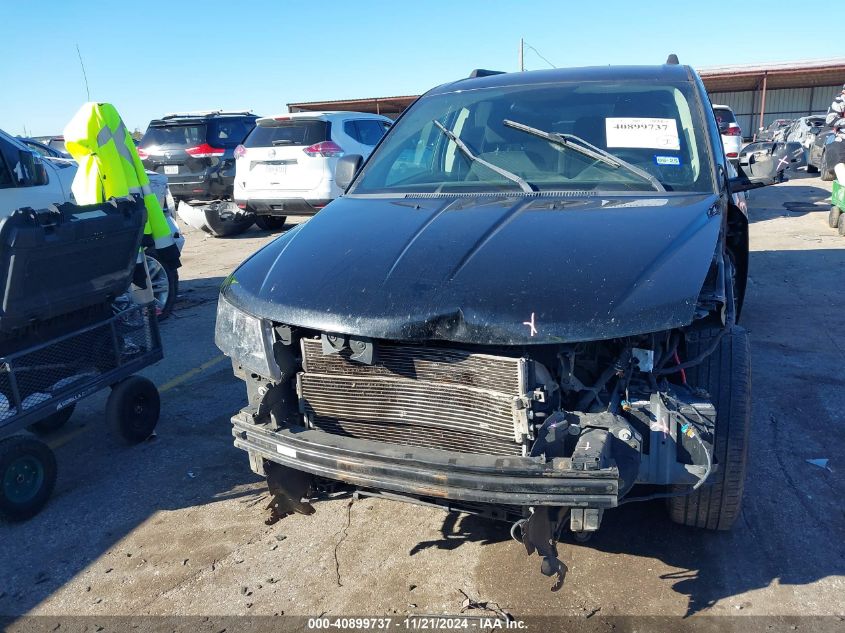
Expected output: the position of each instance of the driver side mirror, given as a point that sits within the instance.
(30, 170)
(762, 164)
(346, 169)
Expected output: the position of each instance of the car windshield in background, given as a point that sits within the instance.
(305, 132)
(654, 128)
(724, 116)
(173, 136)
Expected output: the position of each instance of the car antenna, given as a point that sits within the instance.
(672, 59)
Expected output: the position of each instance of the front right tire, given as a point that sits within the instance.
(726, 376)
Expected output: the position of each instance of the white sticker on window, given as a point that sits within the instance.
(642, 133)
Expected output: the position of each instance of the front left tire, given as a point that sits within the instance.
(726, 376)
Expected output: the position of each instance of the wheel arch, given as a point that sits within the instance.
(737, 245)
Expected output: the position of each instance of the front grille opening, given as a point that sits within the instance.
(445, 399)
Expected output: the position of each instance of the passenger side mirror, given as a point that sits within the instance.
(31, 171)
(346, 169)
(764, 163)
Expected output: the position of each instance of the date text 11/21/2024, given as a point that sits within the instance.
(417, 623)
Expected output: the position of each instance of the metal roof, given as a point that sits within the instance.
(796, 74)
(377, 105)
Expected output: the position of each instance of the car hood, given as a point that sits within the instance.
(503, 270)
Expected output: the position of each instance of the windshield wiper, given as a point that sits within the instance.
(587, 149)
(468, 153)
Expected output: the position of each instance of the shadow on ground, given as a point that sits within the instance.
(792, 528)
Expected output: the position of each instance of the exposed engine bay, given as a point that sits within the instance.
(617, 412)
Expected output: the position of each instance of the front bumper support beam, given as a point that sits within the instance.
(423, 472)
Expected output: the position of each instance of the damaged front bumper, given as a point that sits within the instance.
(429, 473)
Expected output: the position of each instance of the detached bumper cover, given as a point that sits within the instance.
(523, 481)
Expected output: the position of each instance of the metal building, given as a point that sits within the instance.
(757, 93)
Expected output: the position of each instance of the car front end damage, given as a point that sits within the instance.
(547, 436)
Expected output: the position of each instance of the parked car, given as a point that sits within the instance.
(29, 179)
(770, 133)
(729, 130)
(43, 149)
(524, 304)
(56, 142)
(816, 156)
(196, 152)
(804, 130)
(286, 164)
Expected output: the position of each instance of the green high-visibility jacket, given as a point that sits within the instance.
(109, 167)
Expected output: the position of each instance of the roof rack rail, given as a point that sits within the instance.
(482, 72)
(672, 60)
(176, 115)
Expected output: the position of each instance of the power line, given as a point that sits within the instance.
(538, 53)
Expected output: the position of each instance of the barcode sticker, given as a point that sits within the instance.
(642, 133)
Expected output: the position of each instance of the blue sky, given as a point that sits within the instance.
(150, 57)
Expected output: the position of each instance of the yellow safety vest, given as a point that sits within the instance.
(109, 166)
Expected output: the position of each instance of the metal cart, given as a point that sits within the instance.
(41, 384)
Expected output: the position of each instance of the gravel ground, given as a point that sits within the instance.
(176, 525)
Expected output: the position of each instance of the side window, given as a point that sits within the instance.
(365, 131)
(20, 168)
(232, 131)
(351, 129)
(6, 181)
(370, 131)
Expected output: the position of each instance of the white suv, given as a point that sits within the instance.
(286, 164)
(730, 132)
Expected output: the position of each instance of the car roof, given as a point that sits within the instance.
(177, 117)
(671, 73)
(14, 141)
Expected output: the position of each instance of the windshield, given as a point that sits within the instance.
(654, 128)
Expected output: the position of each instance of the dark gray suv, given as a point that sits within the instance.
(196, 152)
(525, 305)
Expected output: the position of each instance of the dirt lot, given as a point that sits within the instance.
(176, 525)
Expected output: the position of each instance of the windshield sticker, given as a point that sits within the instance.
(667, 160)
(642, 133)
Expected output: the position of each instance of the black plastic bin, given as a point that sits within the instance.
(65, 260)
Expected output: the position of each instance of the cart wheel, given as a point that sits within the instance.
(52, 422)
(133, 408)
(27, 476)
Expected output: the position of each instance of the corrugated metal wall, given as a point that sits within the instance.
(788, 103)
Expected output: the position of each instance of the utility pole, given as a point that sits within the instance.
(521, 54)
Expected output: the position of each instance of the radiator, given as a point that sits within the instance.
(416, 396)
